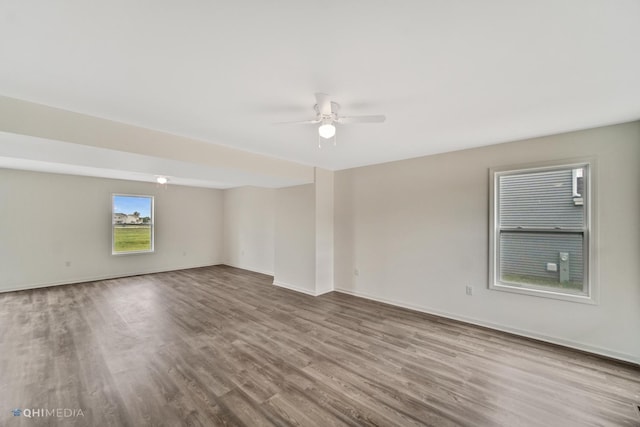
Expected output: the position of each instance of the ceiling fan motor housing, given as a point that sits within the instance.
(327, 118)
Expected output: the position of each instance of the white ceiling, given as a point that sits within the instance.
(448, 74)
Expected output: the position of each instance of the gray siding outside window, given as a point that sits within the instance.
(527, 254)
(541, 199)
(540, 218)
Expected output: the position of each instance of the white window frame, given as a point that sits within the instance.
(590, 234)
(152, 225)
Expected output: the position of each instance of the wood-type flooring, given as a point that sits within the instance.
(223, 346)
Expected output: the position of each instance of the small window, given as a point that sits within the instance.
(541, 232)
(132, 224)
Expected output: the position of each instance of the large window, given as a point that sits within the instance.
(132, 224)
(541, 231)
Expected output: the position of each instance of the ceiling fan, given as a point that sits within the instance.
(327, 116)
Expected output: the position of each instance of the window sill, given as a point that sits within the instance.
(543, 293)
(133, 253)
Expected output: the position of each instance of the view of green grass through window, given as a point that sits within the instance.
(132, 223)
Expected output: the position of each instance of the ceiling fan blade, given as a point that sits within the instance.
(299, 122)
(324, 104)
(362, 119)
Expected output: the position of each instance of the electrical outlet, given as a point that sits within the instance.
(469, 290)
(356, 272)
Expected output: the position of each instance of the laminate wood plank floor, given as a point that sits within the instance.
(222, 346)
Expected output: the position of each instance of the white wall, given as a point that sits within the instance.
(295, 242)
(324, 230)
(417, 232)
(250, 233)
(47, 220)
(249, 228)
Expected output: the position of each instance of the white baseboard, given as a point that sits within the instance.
(255, 270)
(295, 288)
(95, 278)
(522, 332)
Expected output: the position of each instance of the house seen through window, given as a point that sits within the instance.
(132, 224)
(540, 231)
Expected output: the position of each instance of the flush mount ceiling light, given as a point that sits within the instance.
(327, 116)
(162, 180)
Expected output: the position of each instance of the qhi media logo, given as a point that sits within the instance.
(42, 412)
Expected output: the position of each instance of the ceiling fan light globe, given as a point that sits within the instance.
(327, 131)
